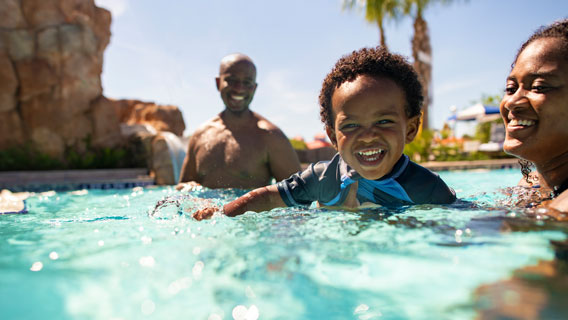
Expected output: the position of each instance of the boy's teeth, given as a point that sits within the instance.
(238, 97)
(370, 152)
(517, 122)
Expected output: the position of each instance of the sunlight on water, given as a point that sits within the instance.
(129, 254)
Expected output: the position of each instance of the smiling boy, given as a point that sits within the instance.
(370, 104)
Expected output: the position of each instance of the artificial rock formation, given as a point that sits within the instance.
(51, 55)
(51, 58)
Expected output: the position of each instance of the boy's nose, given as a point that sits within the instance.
(368, 135)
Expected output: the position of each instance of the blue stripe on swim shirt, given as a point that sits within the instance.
(366, 187)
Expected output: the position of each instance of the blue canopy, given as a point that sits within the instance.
(476, 112)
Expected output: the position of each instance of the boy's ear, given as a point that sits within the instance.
(331, 135)
(218, 83)
(413, 124)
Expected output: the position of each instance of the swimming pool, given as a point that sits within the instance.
(98, 254)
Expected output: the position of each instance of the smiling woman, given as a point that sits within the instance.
(535, 112)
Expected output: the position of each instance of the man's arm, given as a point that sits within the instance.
(282, 158)
(261, 199)
(189, 168)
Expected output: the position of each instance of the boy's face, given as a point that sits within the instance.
(237, 84)
(371, 127)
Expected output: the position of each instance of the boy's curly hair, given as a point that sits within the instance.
(558, 29)
(375, 62)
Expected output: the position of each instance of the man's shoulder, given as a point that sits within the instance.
(215, 123)
(264, 124)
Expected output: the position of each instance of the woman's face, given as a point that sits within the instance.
(535, 105)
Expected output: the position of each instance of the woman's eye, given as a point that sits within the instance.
(539, 89)
(510, 90)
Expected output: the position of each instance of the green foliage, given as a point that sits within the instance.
(298, 144)
(29, 158)
(420, 148)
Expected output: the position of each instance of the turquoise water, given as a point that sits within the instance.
(98, 254)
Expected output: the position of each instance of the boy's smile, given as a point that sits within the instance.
(371, 126)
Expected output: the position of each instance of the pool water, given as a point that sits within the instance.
(99, 254)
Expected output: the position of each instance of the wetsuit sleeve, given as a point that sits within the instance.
(424, 186)
(301, 188)
(441, 193)
(319, 182)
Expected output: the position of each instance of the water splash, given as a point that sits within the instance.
(180, 204)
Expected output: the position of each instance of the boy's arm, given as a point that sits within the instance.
(261, 199)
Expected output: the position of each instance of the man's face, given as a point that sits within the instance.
(371, 127)
(237, 84)
(535, 105)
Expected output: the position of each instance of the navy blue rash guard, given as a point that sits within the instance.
(328, 182)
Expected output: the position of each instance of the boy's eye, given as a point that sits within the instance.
(384, 121)
(348, 126)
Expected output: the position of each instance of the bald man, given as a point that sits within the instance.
(238, 148)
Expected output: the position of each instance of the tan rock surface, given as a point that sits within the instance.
(8, 84)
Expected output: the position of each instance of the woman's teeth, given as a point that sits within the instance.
(517, 122)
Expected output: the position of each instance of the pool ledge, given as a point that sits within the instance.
(74, 179)
(472, 165)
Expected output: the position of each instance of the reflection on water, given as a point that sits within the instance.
(127, 254)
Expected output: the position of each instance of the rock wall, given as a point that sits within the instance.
(51, 56)
(51, 59)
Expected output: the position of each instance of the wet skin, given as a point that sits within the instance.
(371, 126)
(535, 109)
(238, 148)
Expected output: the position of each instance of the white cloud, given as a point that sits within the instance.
(116, 7)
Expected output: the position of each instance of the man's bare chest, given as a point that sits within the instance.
(230, 150)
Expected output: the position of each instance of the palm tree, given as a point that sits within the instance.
(421, 49)
(377, 11)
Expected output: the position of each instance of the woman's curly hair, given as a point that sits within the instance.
(375, 62)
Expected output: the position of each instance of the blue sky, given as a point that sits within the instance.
(168, 51)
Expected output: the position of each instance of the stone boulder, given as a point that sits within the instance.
(161, 117)
(51, 55)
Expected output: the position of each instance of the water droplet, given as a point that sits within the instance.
(361, 308)
(37, 266)
(53, 255)
(148, 307)
(198, 269)
(196, 250)
(148, 261)
(101, 243)
(241, 312)
(249, 293)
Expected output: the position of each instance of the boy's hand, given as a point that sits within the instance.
(204, 213)
(351, 199)
(187, 186)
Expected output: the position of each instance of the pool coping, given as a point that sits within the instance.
(492, 164)
(75, 179)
